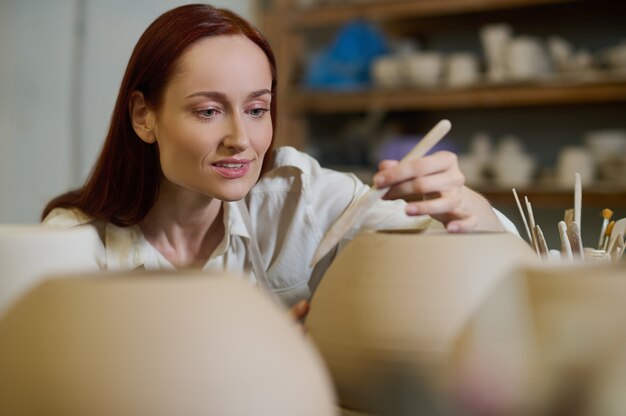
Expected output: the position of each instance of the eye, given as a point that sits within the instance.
(207, 113)
(258, 112)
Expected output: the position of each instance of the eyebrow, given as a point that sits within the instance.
(221, 96)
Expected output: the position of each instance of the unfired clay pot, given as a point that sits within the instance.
(391, 305)
(156, 344)
(547, 341)
(28, 253)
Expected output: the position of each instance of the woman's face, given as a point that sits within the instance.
(213, 127)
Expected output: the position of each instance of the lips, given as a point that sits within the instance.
(231, 169)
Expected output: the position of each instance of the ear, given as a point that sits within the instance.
(142, 117)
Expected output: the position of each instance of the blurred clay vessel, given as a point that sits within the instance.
(391, 305)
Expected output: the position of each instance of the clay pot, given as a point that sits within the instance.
(28, 253)
(547, 341)
(156, 344)
(389, 308)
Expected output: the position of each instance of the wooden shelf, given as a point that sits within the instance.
(558, 198)
(306, 18)
(539, 94)
(555, 198)
(544, 195)
(291, 26)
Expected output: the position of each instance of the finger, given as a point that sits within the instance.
(404, 171)
(437, 206)
(387, 164)
(463, 225)
(437, 183)
(299, 310)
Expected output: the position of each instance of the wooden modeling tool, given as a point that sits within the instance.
(573, 234)
(531, 221)
(355, 212)
(566, 248)
(568, 216)
(618, 228)
(606, 215)
(521, 213)
(578, 197)
(541, 243)
(617, 248)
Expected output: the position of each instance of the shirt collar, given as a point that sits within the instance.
(126, 247)
(233, 219)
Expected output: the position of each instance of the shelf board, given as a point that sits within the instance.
(558, 198)
(519, 95)
(306, 18)
(541, 195)
(554, 198)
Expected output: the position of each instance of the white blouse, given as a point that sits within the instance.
(291, 207)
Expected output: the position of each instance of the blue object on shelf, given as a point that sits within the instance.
(345, 64)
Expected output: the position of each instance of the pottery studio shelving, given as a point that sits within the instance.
(598, 99)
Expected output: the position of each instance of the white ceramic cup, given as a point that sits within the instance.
(423, 69)
(607, 144)
(461, 70)
(387, 71)
(513, 169)
(526, 58)
(572, 160)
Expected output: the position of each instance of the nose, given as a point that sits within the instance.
(237, 135)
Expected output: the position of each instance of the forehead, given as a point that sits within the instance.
(222, 63)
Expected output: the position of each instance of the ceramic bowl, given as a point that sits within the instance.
(390, 306)
(547, 338)
(149, 344)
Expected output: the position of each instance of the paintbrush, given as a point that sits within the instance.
(356, 211)
(606, 215)
(568, 216)
(607, 235)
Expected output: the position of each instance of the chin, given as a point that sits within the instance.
(234, 193)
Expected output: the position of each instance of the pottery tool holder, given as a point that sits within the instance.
(610, 243)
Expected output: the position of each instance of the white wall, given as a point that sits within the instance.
(61, 63)
(35, 83)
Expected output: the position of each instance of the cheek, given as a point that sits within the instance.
(263, 137)
(182, 151)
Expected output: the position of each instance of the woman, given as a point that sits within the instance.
(187, 176)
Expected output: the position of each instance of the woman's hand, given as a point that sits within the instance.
(438, 181)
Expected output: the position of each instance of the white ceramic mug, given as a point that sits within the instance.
(423, 69)
(572, 160)
(526, 58)
(607, 144)
(461, 69)
(387, 71)
(513, 169)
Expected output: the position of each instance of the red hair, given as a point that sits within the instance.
(124, 183)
